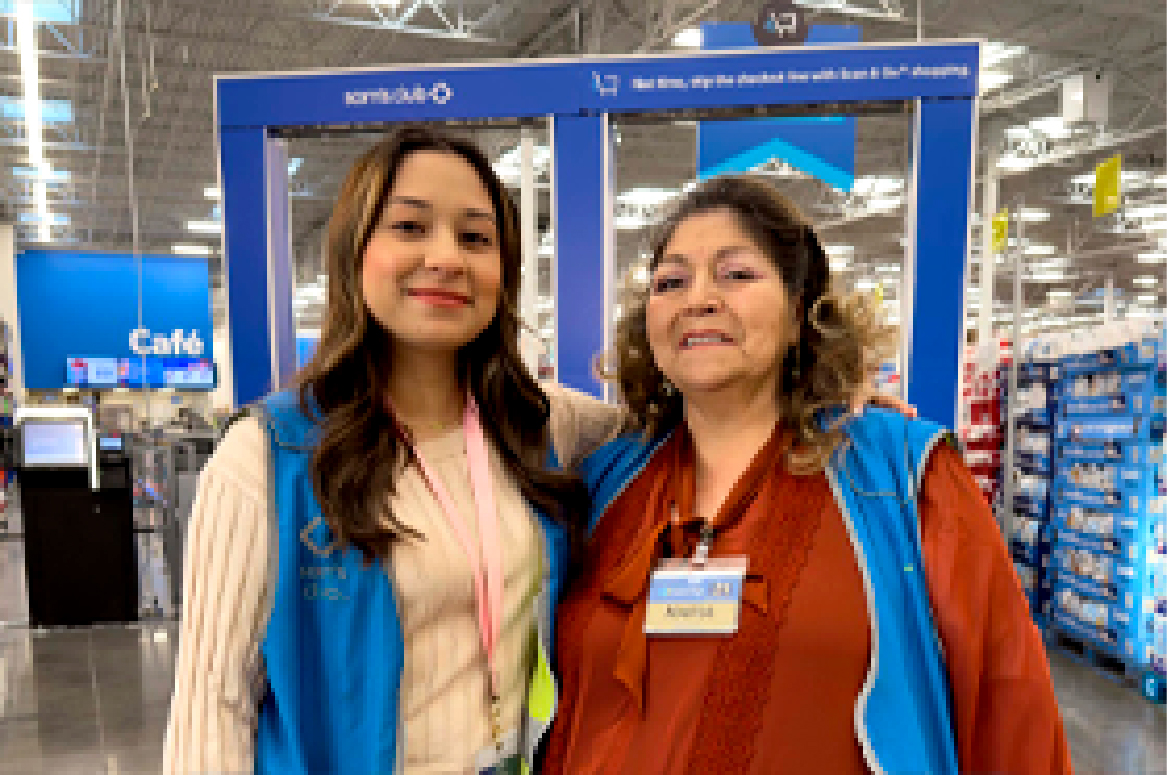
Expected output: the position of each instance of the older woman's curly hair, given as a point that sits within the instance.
(841, 340)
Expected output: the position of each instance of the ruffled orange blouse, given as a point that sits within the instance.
(780, 695)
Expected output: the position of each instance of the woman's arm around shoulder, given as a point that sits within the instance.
(219, 674)
(580, 423)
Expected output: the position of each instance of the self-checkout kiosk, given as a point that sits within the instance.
(76, 498)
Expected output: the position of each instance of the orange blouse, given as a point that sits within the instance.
(716, 706)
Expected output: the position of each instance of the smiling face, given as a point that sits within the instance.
(431, 273)
(718, 314)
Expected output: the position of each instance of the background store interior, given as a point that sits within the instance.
(124, 159)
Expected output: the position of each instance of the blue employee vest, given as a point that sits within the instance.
(333, 648)
(903, 715)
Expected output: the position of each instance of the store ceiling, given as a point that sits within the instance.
(174, 47)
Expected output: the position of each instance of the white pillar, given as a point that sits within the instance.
(990, 192)
(529, 229)
(1109, 306)
(9, 311)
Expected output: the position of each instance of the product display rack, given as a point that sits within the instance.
(1034, 410)
(1104, 529)
(981, 431)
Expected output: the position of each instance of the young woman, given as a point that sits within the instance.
(374, 557)
(372, 553)
(881, 626)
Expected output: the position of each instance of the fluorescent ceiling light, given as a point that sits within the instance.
(836, 251)
(1041, 250)
(58, 176)
(1047, 277)
(646, 196)
(545, 304)
(1014, 163)
(294, 165)
(1145, 281)
(44, 219)
(887, 268)
(31, 79)
(994, 53)
(213, 192)
(206, 227)
(884, 203)
(640, 274)
(191, 250)
(510, 164)
(865, 285)
(1032, 215)
(875, 185)
(1059, 294)
(1147, 298)
(1152, 258)
(630, 222)
(690, 37)
(994, 79)
(840, 264)
(1054, 127)
(1143, 212)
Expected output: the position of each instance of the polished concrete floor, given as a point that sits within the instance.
(91, 701)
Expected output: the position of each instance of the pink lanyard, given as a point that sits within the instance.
(487, 565)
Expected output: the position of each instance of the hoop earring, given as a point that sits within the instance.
(669, 389)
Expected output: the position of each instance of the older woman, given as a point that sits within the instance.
(769, 591)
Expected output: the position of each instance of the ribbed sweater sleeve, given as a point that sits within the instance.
(219, 676)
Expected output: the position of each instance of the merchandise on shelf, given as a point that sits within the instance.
(1108, 496)
(980, 427)
(1032, 410)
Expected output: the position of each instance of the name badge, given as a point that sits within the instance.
(686, 598)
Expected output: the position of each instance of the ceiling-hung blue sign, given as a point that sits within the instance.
(83, 306)
(820, 146)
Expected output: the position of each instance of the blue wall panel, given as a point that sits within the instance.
(86, 305)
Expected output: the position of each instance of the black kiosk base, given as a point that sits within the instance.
(79, 548)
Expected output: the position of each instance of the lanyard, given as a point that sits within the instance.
(486, 565)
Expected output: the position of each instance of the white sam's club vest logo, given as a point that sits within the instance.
(143, 342)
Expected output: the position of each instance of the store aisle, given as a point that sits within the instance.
(94, 702)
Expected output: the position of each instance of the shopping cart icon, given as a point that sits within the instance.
(606, 85)
(782, 24)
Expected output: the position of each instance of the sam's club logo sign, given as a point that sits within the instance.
(178, 342)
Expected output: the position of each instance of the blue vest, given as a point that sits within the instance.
(333, 648)
(903, 715)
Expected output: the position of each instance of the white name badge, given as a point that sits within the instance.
(685, 598)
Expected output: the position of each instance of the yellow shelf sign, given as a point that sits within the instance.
(1000, 231)
(1108, 186)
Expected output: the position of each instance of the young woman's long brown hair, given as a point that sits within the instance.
(360, 450)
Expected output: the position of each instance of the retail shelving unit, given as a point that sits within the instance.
(982, 430)
(1108, 510)
(1034, 409)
